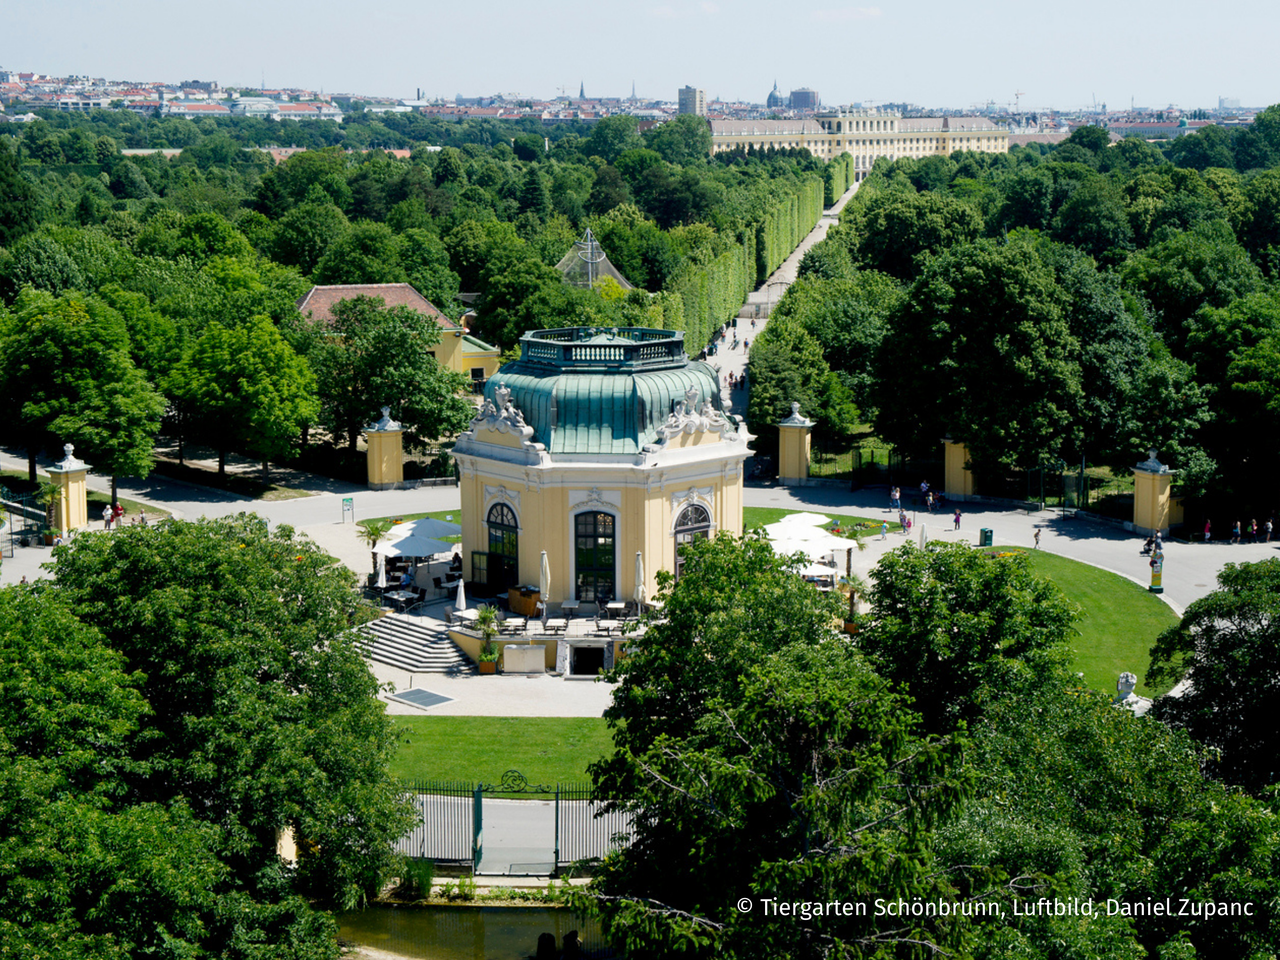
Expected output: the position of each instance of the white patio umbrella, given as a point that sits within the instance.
(544, 583)
(412, 547)
(382, 572)
(640, 591)
(924, 535)
(460, 603)
(426, 527)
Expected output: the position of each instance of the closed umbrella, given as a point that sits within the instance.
(924, 535)
(382, 572)
(544, 582)
(461, 602)
(640, 597)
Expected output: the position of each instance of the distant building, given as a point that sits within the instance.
(775, 100)
(866, 134)
(1228, 103)
(804, 99)
(693, 100)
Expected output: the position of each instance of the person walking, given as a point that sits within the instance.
(956, 519)
(895, 499)
(884, 530)
(1267, 527)
(1235, 533)
(1037, 538)
(106, 517)
(1208, 531)
(1253, 531)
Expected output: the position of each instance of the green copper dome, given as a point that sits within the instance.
(584, 390)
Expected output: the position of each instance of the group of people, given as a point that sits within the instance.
(1238, 533)
(735, 381)
(113, 516)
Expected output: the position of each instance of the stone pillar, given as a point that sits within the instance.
(793, 448)
(957, 478)
(385, 440)
(1151, 505)
(71, 509)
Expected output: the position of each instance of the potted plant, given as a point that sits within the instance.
(487, 624)
(48, 495)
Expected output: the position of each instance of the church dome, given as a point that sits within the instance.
(585, 390)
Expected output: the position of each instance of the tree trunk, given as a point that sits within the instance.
(353, 434)
(222, 463)
(31, 465)
(266, 471)
(114, 498)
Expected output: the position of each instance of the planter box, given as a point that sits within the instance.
(488, 666)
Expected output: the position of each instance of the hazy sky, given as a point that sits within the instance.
(1062, 55)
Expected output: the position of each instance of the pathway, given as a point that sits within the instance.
(762, 300)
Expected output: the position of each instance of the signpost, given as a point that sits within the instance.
(1157, 571)
(348, 507)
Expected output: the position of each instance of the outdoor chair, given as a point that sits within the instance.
(448, 614)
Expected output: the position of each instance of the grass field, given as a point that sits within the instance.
(453, 516)
(1119, 621)
(545, 749)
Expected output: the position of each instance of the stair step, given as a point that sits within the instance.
(414, 645)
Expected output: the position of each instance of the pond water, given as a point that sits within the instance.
(465, 933)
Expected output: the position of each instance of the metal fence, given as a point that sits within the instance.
(450, 819)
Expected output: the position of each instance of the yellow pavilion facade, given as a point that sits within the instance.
(605, 450)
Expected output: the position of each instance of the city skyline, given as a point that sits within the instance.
(925, 53)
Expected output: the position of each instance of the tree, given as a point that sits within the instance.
(981, 314)
(742, 711)
(1226, 645)
(304, 234)
(367, 253)
(896, 227)
(371, 356)
(612, 136)
(608, 190)
(66, 377)
(959, 629)
(244, 386)
(17, 211)
(786, 367)
(684, 139)
(261, 713)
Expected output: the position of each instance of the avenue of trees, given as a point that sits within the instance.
(1082, 303)
(172, 700)
(943, 754)
(178, 277)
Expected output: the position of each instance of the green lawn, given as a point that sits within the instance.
(1118, 624)
(545, 749)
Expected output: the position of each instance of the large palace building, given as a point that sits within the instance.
(604, 448)
(866, 134)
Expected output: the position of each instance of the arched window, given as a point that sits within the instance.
(504, 547)
(594, 557)
(694, 523)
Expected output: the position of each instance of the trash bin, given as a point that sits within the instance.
(986, 537)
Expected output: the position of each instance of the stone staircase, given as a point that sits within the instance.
(416, 644)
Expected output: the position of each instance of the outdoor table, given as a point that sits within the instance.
(569, 607)
(556, 625)
(468, 616)
(610, 625)
(401, 597)
(616, 607)
(514, 625)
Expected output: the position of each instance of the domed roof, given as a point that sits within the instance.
(585, 390)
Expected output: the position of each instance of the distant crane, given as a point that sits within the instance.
(1017, 99)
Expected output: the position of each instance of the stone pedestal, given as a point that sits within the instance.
(385, 440)
(957, 478)
(793, 448)
(1152, 511)
(71, 509)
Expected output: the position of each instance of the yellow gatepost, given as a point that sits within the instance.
(958, 479)
(793, 448)
(1152, 511)
(386, 452)
(71, 509)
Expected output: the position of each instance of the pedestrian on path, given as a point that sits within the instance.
(884, 530)
(1235, 533)
(895, 499)
(1253, 531)
(1268, 527)
(956, 518)
(1208, 531)
(106, 517)
(1037, 538)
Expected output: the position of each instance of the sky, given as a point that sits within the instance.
(934, 54)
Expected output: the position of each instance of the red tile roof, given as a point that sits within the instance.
(320, 301)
